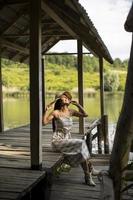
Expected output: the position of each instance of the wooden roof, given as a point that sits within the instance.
(61, 20)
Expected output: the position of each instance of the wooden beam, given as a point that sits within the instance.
(80, 83)
(27, 44)
(13, 20)
(45, 47)
(35, 85)
(43, 86)
(105, 133)
(82, 31)
(12, 2)
(67, 10)
(48, 21)
(65, 53)
(25, 59)
(1, 97)
(66, 38)
(58, 19)
(52, 29)
(103, 116)
(50, 46)
(59, 33)
(101, 86)
(49, 43)
(14, 46)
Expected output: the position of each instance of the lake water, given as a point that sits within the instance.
(16, 110)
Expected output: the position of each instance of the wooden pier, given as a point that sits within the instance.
(18, 181)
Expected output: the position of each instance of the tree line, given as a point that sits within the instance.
(62, 70)
(90, 63)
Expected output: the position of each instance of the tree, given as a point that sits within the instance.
(117, 63)
(111, 81)
(124, 131)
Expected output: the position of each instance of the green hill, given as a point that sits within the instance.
(61, 73)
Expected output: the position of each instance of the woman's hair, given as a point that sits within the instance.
(57, 106)
(67, 94)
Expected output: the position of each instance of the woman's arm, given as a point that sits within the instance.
(48, 116)
(81, 112)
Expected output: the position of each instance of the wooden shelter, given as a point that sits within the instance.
(28, 29)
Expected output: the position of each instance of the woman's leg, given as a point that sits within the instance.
(92, 169)
(87, 173)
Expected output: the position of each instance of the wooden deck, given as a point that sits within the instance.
(70, 186)
(17, 179)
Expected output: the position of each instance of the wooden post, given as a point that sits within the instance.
(35, 84)
(105, 133)
(80, 83)
(1, 98)
(99, 138)
(43, 87)
(101, 86)
(104, 118)
(89, 142)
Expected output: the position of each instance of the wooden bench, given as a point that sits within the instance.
(22, 184)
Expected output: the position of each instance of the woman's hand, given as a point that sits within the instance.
(74, 103)
(51, 105)
(48, 107)
(81, 112)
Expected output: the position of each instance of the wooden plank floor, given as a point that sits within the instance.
(15, 148)
(70, 186)
(15, 183)
(16, 176)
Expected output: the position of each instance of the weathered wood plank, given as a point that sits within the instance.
(18, 181)
(107, 189)
(70, 185)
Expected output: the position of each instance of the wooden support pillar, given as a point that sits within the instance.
(43, 86)
(105, 133)
(104, 118)
(89, 142)
(35, 85)
(99, 138)
(1, 98)
(80, 83)
(101, 86)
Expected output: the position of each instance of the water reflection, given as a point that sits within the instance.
(16, 111)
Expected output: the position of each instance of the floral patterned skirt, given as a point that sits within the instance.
(75, 151)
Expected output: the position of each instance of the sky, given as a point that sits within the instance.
(108, 17)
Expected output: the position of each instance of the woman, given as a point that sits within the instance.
(74, 150)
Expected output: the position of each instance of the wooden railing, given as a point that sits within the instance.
(101, 126)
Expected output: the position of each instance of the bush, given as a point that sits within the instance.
(111, 81)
